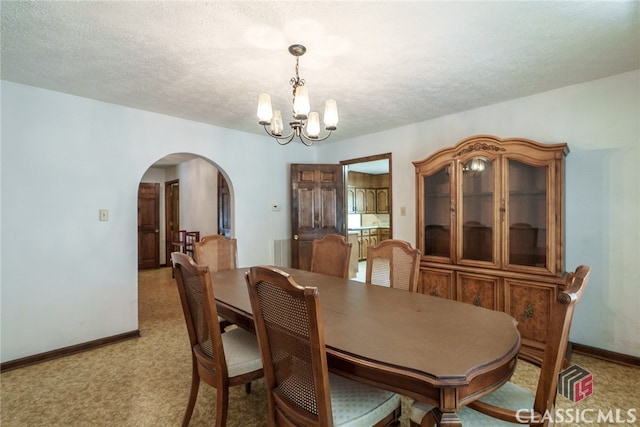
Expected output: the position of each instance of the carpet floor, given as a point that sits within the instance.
(145, 381)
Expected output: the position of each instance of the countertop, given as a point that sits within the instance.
(368, 227)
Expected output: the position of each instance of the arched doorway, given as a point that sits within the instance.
(196, 196)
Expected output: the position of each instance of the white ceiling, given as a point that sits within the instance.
(387, 64)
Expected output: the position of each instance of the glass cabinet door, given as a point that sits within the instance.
(527, 214)
(477, 222)
(437, 213)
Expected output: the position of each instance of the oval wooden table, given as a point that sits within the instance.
(442, 352)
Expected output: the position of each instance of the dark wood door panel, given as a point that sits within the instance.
(148, 225)
(317, 207)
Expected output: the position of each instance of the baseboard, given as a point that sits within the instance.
(67, 351)
(609, 356)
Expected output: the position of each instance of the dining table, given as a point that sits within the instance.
(439, 351)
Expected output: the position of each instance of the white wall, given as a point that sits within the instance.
(68, 278)
(600, 121)
(198, 196)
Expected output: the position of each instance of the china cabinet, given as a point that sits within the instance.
(490, 225)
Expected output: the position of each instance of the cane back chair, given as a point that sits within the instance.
(218, 253)
(300, 389)
(393, 263)
(220, 360)
(331, 255)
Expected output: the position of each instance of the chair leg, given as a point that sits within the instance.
(222, 405)
(193, 395)
(247, 387)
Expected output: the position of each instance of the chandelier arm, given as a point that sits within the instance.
(279, 138)
(306, 141)
(314, 139)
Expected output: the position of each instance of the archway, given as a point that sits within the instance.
(198, 180)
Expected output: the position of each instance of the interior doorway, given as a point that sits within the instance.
(172, 214)
(368, 205)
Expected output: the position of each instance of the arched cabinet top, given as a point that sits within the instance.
(491, 146)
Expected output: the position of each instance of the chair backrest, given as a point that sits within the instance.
(200, 313)
(331, 255)
(216, 252)
(558, 337)
(289, 327)
(393, 263)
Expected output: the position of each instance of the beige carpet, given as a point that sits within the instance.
(145, 381)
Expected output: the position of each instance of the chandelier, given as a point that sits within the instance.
(305, 125)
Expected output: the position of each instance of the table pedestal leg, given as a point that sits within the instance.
(449, 419)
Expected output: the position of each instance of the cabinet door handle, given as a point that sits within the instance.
(295, 237)
(476, 300)
(528, 312)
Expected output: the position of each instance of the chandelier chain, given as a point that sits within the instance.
(296, 81)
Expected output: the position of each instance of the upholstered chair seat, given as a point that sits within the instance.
(241, 351)
(355, 404)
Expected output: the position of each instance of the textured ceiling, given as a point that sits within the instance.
(387, 64)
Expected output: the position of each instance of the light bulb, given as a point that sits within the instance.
(265, 113)
(330, 114)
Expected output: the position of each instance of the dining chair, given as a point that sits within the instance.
(220, 360)
(300, 389)
(218, 253)
(393, 263)
(511, 403)
(331, 255)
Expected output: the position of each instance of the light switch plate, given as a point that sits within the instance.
(103, 214)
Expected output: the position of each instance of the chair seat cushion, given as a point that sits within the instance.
(359, 405)
(241, 351)
(509, 396)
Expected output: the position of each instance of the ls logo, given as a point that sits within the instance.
(575, 383)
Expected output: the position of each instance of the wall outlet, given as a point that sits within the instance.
(103, 214)
(403, 211)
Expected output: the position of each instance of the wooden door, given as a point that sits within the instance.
(224, 207)
(317, 207)
(172, 215)
(148, 225)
